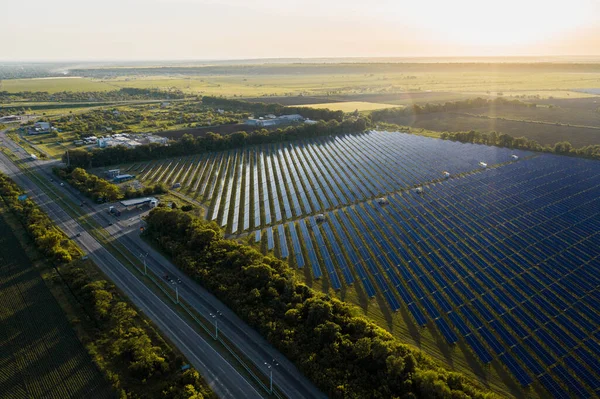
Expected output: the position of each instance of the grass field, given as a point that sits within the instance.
(53, 85)
(42, 356)
(544, 133)
(350, 106)
(339, 79)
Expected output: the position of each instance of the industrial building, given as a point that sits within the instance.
(123, 178)
(40, 128)
(132, 203)
(130, 140)
(272, 120)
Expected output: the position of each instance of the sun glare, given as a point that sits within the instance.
(505, 23)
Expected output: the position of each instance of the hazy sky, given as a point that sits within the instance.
(226, 29)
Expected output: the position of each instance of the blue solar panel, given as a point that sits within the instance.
(553, 387)
(516, 369)
(284, 253)
(447, 332)
(479, 349)
(270, 240)
(296, 245)
(590, 379)
(575, 389)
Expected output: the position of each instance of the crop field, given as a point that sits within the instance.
(349, 106)
(545, 80)
(560, 115)
(40, 354)
(546, 133)
(489, 259)
(53, 85)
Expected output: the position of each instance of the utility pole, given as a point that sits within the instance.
(216, 317)
(270, 366)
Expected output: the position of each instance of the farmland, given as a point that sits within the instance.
(334, 79)
(488, 261)
(544, 132)
(41, 355)
(350, 106)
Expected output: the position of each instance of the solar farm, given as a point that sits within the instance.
(496, 248)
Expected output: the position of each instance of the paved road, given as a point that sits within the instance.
(221, 376)
(285, 376)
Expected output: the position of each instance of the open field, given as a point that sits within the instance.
(564, 116)
(544, 133)
(42, 356)
(487, 262)
(53, 85)
(350, 106)
(558, 80)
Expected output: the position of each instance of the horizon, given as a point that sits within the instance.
(549, 58)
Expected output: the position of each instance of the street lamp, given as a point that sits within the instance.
(270, 366)
(143, 257)
(216, 317)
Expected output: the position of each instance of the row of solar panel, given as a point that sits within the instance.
(493, 305)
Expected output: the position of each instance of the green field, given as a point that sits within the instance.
(53, 85)
(41, 355)
(350, 106)
(544, 80)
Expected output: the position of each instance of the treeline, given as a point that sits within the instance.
(210, 142)
(137, 361)
(391, 114)
(523, 143)
(100, 189)
(124, 94)
(347, 356)
(49, 239)
(261, 109)
(125, 347)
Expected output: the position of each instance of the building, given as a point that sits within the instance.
(150, 201)
(272, 120)
(123, 178)
(10, 118)
(40, 128)
(129, 140)
(112, 173)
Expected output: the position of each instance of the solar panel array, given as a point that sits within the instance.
(506, 259)
(254, 187)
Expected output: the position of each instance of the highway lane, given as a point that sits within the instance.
(286, 376)
(221, 376)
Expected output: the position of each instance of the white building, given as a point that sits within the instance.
(272, 120)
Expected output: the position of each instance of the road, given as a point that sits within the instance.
(222, 377)
(286, 376)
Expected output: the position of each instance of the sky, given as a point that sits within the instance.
(42, 30)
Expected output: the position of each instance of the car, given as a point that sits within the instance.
(78, 234)
(178, 281)
(62, 184)
(110, 223)
(85, 257)
(166, 276)
(51, 180)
